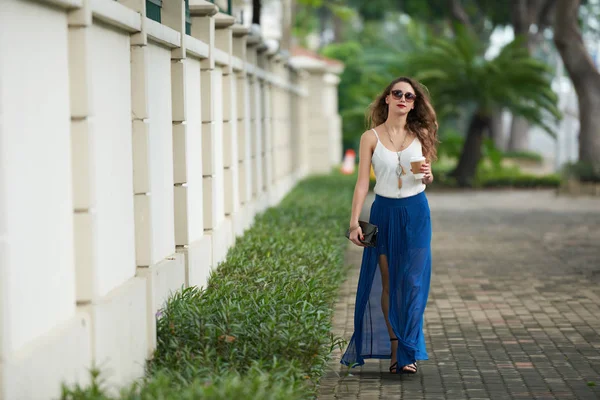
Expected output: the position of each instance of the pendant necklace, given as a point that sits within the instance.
(400, 169)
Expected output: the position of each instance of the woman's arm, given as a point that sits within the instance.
(426, 166)
(367, 144)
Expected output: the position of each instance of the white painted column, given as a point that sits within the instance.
(325, 125)
(324, 129)
(303, 124)
(254, 137)
(224, 43)
(267, 126)
(153, 145)
(215, 223)
(276, 137)
(243, 128)
(256, 125)
(297, 123)
(188, 157)
(283, 152)
(333, 117)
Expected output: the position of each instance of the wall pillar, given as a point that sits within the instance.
(242, 100)
(188, 153)
(255, 137)
(108, 290)
(224, 42)
(215, 224)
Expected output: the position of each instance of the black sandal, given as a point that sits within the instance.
(410, 371)
(394, 366)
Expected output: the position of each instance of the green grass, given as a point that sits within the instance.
(261, 329)
(513, 177)
(524, 155)
(490, 177)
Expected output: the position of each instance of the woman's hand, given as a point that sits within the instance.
(426, 169)
(356, 236)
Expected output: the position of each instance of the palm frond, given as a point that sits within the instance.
(457, 74)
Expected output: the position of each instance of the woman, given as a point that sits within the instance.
(394, 279)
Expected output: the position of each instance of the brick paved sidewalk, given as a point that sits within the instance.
(514, 309)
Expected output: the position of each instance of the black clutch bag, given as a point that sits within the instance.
(369, 232)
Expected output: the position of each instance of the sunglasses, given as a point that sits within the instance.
(397, 94)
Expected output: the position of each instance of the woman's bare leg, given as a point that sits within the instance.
(385, 307)
(385, 293)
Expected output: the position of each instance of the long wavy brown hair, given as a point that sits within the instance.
(421, 120)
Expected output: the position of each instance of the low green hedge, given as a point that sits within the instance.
(524, 155)
(261, 328)
(513, 177)
(522, 181)
(505, 177)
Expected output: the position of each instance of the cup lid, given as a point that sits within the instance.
(417, 158)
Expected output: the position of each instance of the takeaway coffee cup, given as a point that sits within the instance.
(415, 166)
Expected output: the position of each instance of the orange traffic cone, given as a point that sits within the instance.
(348, 163)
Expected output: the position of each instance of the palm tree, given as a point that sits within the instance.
(458, 75)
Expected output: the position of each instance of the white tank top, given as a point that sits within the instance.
(385, 164)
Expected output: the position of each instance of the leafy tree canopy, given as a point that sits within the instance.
(477, 11)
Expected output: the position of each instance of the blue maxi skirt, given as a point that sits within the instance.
(404, 237)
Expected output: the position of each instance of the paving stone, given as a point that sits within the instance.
(514, 306)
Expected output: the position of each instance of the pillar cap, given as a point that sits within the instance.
(254, 35)
(202, 8)
(239, 30)
(309, 60)
(223, 20)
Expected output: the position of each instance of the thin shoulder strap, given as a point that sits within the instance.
(373, 129)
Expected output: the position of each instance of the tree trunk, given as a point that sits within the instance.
(324, 15)
(519, 134)
(585, 77)
(256, 7)
(459, 15)
(497, 130)
(471, 153)
(338, 29)
(523, 16)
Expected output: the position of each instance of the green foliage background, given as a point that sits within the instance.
(381, 41)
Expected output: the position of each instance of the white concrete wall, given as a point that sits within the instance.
(36, 174)
(190, 170)
(160, 155)
(37, 263)
(323, 124)
(109, 223)
(131, 156)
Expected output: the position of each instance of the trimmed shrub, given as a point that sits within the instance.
(522, 181)
(261, 328)
(524, 155)
(509, 177)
